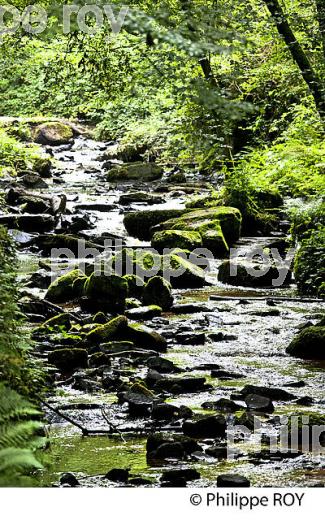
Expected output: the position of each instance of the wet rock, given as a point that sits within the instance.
(183, 384)
(118, 475)
(164, 412)
(139, 196)
(176, 483)
(190, 338)
(68, 359)
(258, 403)
(305, 401)
(187, 474)
(224, 374)
(53, 133)
(41, 307)
(223, 405)
(69, 479)
(271, 392)
(95, 206)
(139, 223)
(99, 359)
(40, 279)
(204, 427)
(185, 445)
(60, 320)
(295, 384)
(217, 452)
(75, 245)
(28, 223)
(162, 365)
(171, 239)
(135, 285)
(189, 308)
(114, 329)
(308, 344)
(43, 166)
(217, 226)
(63, 288)
(111, 383)
(157, 291)
(184, 273)
(135, 171)
(146, 338)
(221, 336)
(251, 274)
(31, 180)
(107, 292)
(247, 419)
(139, 404)
(230, 480)
(144, 313)
(139, 481)
(170, 450)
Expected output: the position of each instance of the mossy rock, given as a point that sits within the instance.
(78, 286)
(145, 338)
(112, 330)
(100, 318)
(144, 313)
(99, 359)
(214, 240)
(43, 166)
(58, 321)
(135, 285)
(139, 223)
(172, 238)
(182, 273)
(135, 171)
(308, 344)
(111, 291)
(250, 274)
(157, 291)
(61, 290)
(202, 219)
(67, 360)
(53, 133)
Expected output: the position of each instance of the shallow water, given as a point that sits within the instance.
(257, 352)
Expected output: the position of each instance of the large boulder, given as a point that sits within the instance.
(139, 223)
(226, 218)
(157, 291)
(63, 289)
(174, 238)
(135, 171)
(182, 272)
(252, 274)
(107, 292)
(53, 133)
(309, 343)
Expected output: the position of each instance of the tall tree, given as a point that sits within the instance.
(316, 86)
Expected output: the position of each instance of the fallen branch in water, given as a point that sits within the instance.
(85, 431)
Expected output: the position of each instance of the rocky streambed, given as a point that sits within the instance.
(150, 404)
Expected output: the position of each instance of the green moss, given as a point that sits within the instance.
(157, 291)
(135, 285)
(137, 170)
(308, 344)
(111, 330)
(60, 320)
(229, 219)
(309, 264)
(61, 290)
(138, 223)
(53, 132)
(170, 239)
(145, 338)
(182, 273)
(111, 290)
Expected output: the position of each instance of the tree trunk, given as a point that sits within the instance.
(320, 5)
(298, 54)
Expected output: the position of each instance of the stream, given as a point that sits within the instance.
(245, 337)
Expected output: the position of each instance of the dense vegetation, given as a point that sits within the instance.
(19, 416)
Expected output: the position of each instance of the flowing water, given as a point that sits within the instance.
(256, 333)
